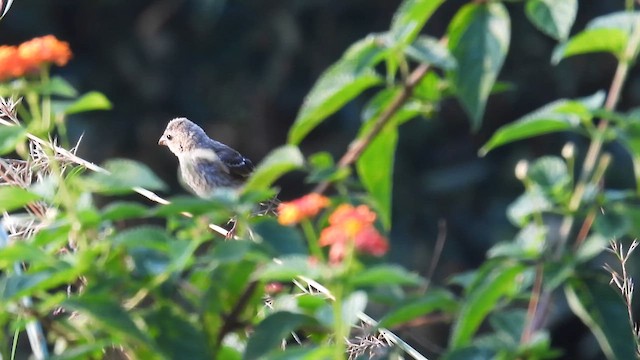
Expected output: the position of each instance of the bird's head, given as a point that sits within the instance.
(181, 136)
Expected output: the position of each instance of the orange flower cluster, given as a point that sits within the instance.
(349, 223)
(290, 213)
(16, 61)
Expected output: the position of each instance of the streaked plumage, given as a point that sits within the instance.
(205, 164)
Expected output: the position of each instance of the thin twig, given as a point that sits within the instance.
(359, 145)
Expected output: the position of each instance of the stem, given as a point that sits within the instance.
(593, 152)
(530, 325)
(359, 145)
(338, 324)
(312, 239)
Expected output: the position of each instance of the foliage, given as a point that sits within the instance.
(157, 281)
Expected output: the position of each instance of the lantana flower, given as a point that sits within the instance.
(352, 224)
(17, 61)
(292, 212)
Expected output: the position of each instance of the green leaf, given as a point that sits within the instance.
(433, 300)
(230, 251)
(529, 244)
(269, 333)
(428, 50)
(499, 282)
(551, 174)
(89, 102)
(410, 18)
(287, 268)
(123, 176)
(385, 275)
(323, 168)
(284, 240)
(175, 336)
(592, 40)
(143, 236)
(599, 306)
(375, 168)
(471, 353)
(553, 17)
(277, 163)
(24, 252)
(622, 20)
(338, 85)
(533, 201)
(10, 137)
(560, 115)
(375, 165)
(57, 86)
(122, 210)
(109, 315)
(12, 197)
(479, 37)
(190, 204)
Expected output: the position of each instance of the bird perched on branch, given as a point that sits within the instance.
(205, 164)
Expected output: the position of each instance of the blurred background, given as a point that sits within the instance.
(241, 68)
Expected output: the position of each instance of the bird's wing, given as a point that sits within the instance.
(236, 163)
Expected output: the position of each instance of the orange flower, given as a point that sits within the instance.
(293, 212)
(348, 223)
(16, 61)
(11, 65)
(45, 49)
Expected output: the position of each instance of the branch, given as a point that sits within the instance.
(359, 145)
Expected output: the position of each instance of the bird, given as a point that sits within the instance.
(205, 164)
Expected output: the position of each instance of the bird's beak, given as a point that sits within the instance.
(162, 141)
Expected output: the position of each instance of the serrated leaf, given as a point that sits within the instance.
(549, 172)
(428, 50)
(385, 275)
(277, 163)
(479, 36)
(410, 18)
(90, 101)
(123, 176)
(12, 197)
(560, 115)
(433, 300)
(588, 41)
(599, 306)
(269, 333)
(534, 201)
(10, 136)
(553, 17)
(338, 85)
(481, 300)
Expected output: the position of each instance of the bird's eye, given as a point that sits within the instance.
(169, 137)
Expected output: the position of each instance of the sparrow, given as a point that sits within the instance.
(205, 164)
